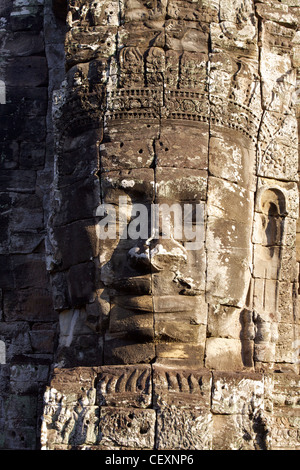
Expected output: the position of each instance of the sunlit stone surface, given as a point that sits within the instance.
(174, 342)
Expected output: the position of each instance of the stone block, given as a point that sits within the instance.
(27, 18)
(245, 42)
(43, 340)
(285, 346)
(165, 284)
(34, 129)
(31, 304)
(27, 71)
(139, 37)
(183, 429)
(16, 338)
(70, 386)
(27, 378)
(25, 43)
(80, 426)
(174, 184)
(27, 214)
(192, 41)
(181, 387)
(25, 242)
(4, 226)
(145, 11)
(239, 167)
(84, 350)
(289, 268)
(237, 393)
(181, 303)
(118, 350)
(60, 9)
(138, 285)
(18, 438)
(137, 183)
(224, 321)
(265, 299)
(142, 304)
(4, 380)
(5, 8)
(60, 292)
(124, 130)
(180, 327)
(130, 324)
(105, 45)
(193, 353)
(229, 201)
(32, 155)
(285, 391)
(81, 284)
(228, 272)
(233, 432)
(29, 270)
(71, 168)
(76, 243)
(204, 11)
(173, 150)
(20, 410)
(124, 386)
(10, 153)
(126, 154)
(266, 262)
(264, 351)
(19, 181)
(29, 102)
(127, 428)
(284, 429)
(223, 354)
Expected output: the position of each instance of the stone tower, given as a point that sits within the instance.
(182, 339)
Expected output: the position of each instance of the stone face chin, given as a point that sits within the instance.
(168, 171)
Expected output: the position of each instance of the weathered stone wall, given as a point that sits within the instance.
(30, 45)
(181, 101)
(148, 407)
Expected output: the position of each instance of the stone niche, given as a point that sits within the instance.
(185, 340)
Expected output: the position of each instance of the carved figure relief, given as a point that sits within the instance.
(266, 313)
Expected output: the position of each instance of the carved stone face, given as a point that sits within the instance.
(165, 290)
(159, 109)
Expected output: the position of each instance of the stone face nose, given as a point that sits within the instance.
(158, 254)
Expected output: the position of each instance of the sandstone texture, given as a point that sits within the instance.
(151, 337)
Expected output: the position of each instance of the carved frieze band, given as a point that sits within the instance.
(191, 105)
(138, 385)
